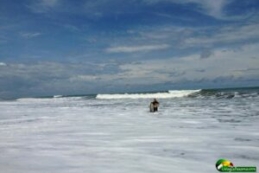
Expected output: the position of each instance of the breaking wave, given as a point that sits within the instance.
(201, 93)
(226, 93)
(52, 98)
(169, 94)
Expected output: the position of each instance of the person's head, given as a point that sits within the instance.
(154, 100)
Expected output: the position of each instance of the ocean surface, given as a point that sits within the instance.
(116, 133)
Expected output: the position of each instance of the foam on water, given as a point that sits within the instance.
(201, 93)
(169, 94)
(121, 135)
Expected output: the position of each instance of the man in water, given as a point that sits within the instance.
(154, 106)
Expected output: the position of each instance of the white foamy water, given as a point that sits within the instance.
(169, 94)
(72, 135)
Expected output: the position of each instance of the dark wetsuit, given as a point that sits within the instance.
(155, 104)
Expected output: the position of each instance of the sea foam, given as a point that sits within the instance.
(187, 134)
(169, 94)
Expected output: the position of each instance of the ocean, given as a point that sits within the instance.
(116, 133)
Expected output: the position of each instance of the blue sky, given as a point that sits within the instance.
(52, 47)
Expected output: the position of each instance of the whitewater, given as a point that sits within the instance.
(116, 133)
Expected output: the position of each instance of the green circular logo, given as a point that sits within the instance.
(221, 163)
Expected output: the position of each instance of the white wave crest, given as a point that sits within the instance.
(57, 96)
(30, 99)
(182, 93)
(169, 94)
(51, 99)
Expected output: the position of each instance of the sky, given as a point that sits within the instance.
(53, 47)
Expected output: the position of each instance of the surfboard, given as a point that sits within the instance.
(151, 107)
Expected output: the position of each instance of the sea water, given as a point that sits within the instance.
(117, 133)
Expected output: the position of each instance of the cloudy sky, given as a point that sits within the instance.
(52, 47)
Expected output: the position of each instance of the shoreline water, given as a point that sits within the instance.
(80, 134)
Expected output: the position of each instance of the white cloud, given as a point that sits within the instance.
(130, 49)
(2, 64)
(86, 77)
(67, 78)
(205, 38)
(42, 6)
(213, 8)
(223, 64)
(224, 35)
(29, 35)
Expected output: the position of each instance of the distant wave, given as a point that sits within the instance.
(30, 99)
(226, 93)
(201, 93)
(169, 94)
(51, 98)
(57, 96)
